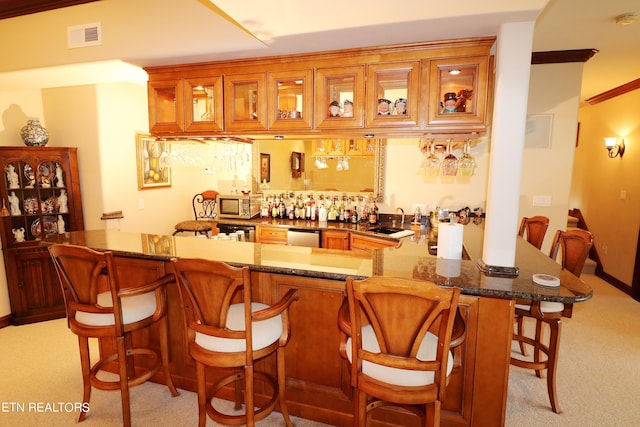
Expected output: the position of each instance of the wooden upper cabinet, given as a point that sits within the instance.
(457, 91)
(166, 106)
(389, 90)
(290, 100)
(340, 97)
(203, 104)
(392, 95)
(245, 102)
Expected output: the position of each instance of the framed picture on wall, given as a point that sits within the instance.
(152, 162)
(265, 167)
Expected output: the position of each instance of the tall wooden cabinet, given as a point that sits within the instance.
(41, 197)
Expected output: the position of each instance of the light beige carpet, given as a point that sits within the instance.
(598, 377)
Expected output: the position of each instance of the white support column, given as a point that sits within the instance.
(513, 64)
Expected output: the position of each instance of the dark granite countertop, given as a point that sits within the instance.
(410, 259)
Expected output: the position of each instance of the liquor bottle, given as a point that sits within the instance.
(298, 213)
(332, 215)
(322, 213)
(314, 209)
(354, 215)
(264, 207)
(307, 208)
(281, 208)
(274, 208)
(373, 215)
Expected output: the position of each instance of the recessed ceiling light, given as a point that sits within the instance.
(454, 72)
(626, 19)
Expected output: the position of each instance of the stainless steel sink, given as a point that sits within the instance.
(385, 230)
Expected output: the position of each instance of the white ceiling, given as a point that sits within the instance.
(159, 32)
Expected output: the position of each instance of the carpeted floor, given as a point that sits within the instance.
(598, 377)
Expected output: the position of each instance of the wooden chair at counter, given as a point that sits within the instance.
(98, 307)
(535, 229)
(395, 359)
(224, 333)
(204, 212)
(574, 247)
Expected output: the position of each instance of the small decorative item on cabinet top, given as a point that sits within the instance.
(153, 166)
(33, 134)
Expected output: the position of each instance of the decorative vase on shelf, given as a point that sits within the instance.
(33, 134)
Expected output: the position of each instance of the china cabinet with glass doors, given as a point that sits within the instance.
(40, 197)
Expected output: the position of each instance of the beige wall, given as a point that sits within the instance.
(599, 180)
(554, 91)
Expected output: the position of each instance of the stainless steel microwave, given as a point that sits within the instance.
(238, 206)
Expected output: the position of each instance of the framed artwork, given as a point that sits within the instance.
(157, 244)
(265, 167)
(152, 162)
(297, 164)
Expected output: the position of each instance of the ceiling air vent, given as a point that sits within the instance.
(85, 35)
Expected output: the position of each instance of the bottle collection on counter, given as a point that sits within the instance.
(325, 208)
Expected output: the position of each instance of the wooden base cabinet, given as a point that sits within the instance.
(34, 290)
(41, 194)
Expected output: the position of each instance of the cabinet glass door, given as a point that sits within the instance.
(166, 113)
(203, 104)
(290, 99)
(392, 95)
(458, 91)
(339, 97)
(245, 102)
(38, 200)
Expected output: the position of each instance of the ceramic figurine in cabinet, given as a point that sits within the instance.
(59, 178)
(384, 107)
(12, 177)
(348, 108)
(450, 101)
(61, 225)
(14, 204)
(18, 234)
(401, 106)
(63, 202)
(334, 109)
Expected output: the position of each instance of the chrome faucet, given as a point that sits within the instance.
(402, 212)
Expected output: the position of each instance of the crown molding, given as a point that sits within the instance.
(13, 8)
(560, 56)
(616, 91)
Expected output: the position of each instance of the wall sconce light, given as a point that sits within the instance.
(614, 147)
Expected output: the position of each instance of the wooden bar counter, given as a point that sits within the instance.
(318, 383)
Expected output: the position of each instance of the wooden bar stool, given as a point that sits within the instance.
(574, 246)
(535, 229)
(98, 307)
(226, 329)
(399, 345)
